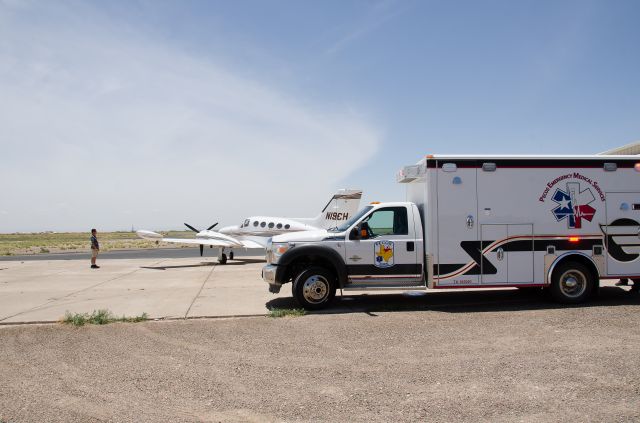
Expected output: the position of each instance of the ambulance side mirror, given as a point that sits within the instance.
(355, 232)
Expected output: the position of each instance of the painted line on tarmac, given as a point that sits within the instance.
(50, 302)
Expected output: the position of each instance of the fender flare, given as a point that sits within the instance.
(567, 255)
(328, 254)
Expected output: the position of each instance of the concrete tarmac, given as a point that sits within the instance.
(42, 291)
(173, 288)
(143, 253)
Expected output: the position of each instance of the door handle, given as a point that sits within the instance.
(411, 246)
(469, 222)
(500, 252)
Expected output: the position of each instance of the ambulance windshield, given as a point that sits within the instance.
(351, 221)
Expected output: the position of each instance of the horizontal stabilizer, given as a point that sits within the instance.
(149, 235)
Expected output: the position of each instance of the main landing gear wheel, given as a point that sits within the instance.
(314, 288)
(222, 259)
(230, 255)
(571, 283)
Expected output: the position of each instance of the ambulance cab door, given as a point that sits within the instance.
(386, 256)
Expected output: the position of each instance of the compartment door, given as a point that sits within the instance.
(520, 253)
(458, 230)
(623, 233)
(495, 266)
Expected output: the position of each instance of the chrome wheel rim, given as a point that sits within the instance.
(315, 289)
(573, 283)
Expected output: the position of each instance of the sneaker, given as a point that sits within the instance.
(93, 266)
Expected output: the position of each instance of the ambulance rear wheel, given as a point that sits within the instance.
(571, 283)
(314, 288)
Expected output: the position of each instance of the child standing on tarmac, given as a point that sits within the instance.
(95, 249)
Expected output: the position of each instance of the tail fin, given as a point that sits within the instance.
(342, 206)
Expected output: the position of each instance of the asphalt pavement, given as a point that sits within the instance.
(487, 358)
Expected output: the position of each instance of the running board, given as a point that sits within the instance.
(384, 288)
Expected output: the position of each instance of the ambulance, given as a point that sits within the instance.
(557, 222)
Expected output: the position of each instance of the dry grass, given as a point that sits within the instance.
(42, 243)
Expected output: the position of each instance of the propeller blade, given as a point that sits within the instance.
(201, 249)
(212, 226)
(191, 227)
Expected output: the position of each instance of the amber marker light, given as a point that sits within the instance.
(637, 167)
(574, 238)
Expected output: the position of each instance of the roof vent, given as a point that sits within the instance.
(489, 167)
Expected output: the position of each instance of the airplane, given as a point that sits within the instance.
(256, 231)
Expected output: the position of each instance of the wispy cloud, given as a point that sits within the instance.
(376, 16)
(99, 117)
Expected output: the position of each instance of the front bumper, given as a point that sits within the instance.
(269, 276)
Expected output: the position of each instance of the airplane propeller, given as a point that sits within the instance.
(196, 231)
(191, 227)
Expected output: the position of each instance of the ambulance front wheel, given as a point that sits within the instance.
(571, 283)
(314, 288)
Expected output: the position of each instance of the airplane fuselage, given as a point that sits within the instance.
(257, 228)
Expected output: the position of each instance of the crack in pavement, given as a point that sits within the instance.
(53, 300)
(200, 290)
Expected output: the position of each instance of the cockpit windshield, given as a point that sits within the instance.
(351, 221)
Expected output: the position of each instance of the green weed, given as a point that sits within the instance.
(283, 312)
(99, 317)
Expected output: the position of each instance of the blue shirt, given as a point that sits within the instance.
(94, 243)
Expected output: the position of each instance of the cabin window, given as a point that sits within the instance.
(287, 226)
(263, 224)
(279, 226)
(271, 225)
(255, 223)
(388, 221)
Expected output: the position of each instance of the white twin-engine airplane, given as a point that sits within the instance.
(256, 231)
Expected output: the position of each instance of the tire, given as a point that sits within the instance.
(223, 259)
(571, 283)
(231, 255)
(314, 288)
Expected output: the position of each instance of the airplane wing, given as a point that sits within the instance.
(251, 244)
(154, 236)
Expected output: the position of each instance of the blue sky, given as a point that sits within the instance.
(152, 113)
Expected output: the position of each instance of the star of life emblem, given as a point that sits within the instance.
(573, 205)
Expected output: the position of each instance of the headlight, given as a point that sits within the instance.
(278, 249)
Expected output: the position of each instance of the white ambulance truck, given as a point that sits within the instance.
(562, 222)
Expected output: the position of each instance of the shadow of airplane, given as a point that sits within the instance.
(235, 262)
(460, 301)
